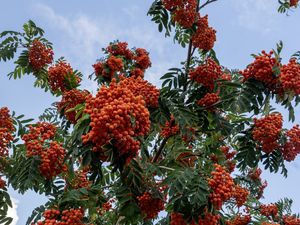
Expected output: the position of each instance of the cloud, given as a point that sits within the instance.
(12, 212)
(257, 15)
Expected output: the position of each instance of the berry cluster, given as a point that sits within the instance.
(270, 210)
(290, 77)
(291, 220)
(120, 59)
(66, 217)
(205, 36)
(39, 142)
(222, 186)
(61, 77)
(117, 118)
(150, 206)
(120, 49)
(138, 86)
(209, 219)
(266, 131)
(6, 130)
(226, 151)
(240, 220)
(209, 100)
(177, 219)
(206, 74)
(292, 147)
(39, 55)
(170, 128)
(80, 180)
(240, 195)
(142, 60)
(262, 69)
(69, 100)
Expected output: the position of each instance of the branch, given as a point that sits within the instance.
(161, 147)
(206, 3)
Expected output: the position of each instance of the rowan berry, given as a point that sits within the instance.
(209, 100)
(120, 49)
(270, 210)
(240, 220)
(61, 75)
(69, 100)
(266, 131)
(240, 195)
(6, 131)
(170, 128)
(206, 74)
(290, 77)
(142, 59)
(222, 186)
(39, 55)
(205, 36)
(150, 206)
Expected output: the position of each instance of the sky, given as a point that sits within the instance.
(79, 30)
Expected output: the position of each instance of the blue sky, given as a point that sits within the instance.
(79, 31)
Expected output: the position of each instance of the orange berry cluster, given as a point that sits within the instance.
(80, 180)
(291, 220)
(142, 59)
(290, 77)
(292, 147)
(177, 219)
(39, 55)
(120, 58)
(117, 117)
(52, 157)
(209, 100)
(268, 223)
(138, 86)
(150, 206)
(59, 75)
(6, 130)
(293, 3)
(120, 49)
(209, 219)
(262, 69)
(69, 100)
(266, 131)
(240, 220)
(66, 217)
(183, 12)
(240, 195)
(228, 155)
(170, 128)
(205, 36)
(270, 210)
(255, 174)
(222, 186)
(206, 74)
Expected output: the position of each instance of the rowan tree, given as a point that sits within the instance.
(189, 152)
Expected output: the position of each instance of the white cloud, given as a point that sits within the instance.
(258, 15)
(12, 212)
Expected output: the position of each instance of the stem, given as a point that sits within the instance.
(161, 147)
(206, 3)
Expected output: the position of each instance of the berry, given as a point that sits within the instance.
(292, 147)
(150, 206)
(293, 3)
(209, 100)
(6, 131)
(170, 128)
(262, 70)
(266, 131)
(185, 13)
(205, 36)
(209, 219)
(290, 77)
(61, 77)
(141, 87)
(69, 100)
(206, 74)
(120, 49)
(240, 195)
(239, 220)
(117, 117)
(222, 186)
(270, 210)
(39, 55)
(142, 59)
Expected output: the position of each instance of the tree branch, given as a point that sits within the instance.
(206, 3)
(161, 147)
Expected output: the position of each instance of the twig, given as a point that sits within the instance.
(206, 3)
(161, 147)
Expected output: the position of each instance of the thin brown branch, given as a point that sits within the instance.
(206, 3)
(161, 147)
